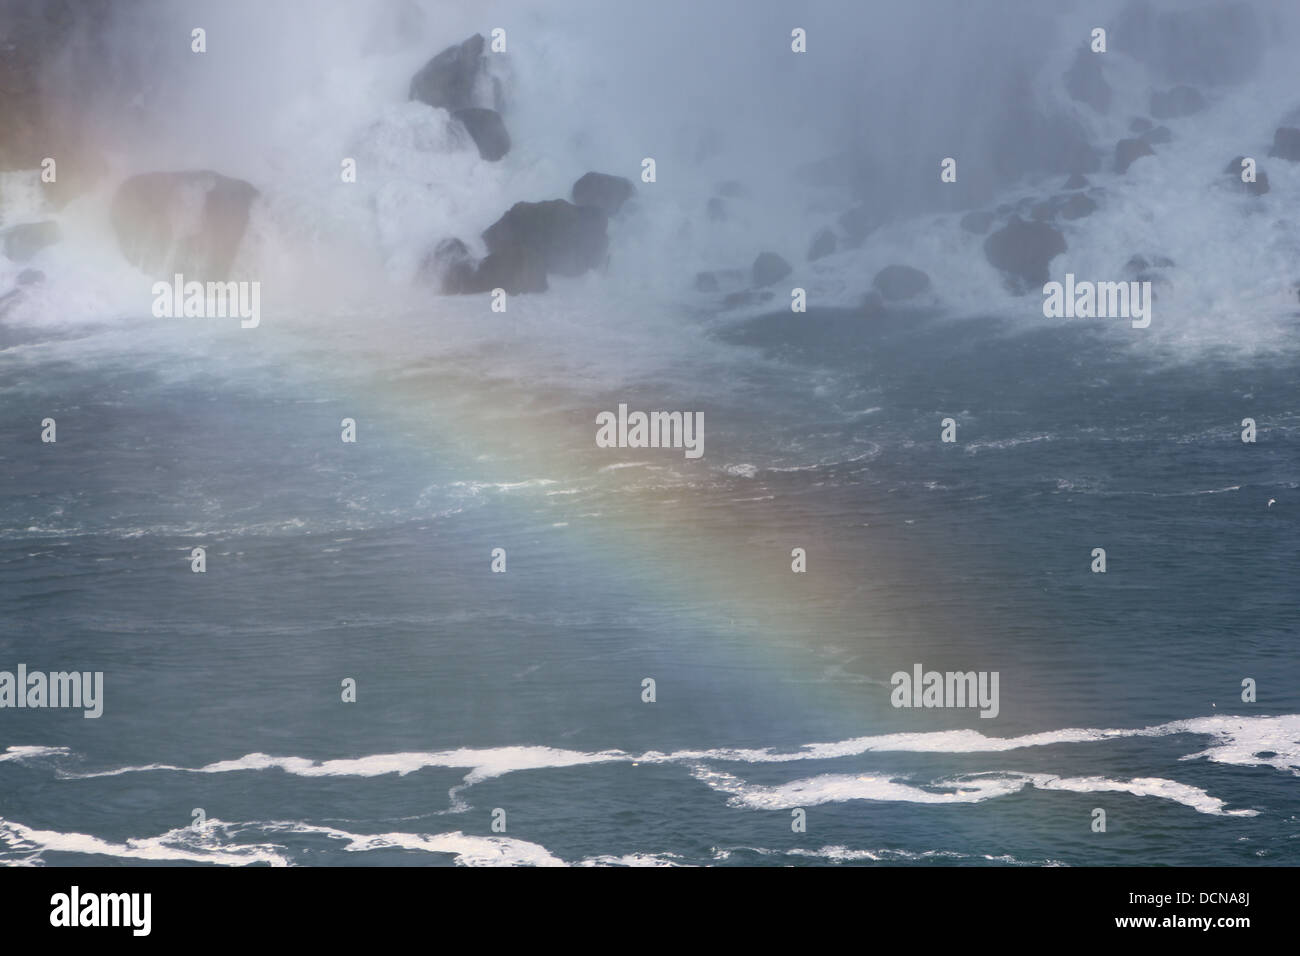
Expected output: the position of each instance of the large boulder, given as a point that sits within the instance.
(768, 268)
(605, 192)
(1128, 151)
(1286, 144)
(487, 130)
(1084, 82)
(1180, 101)
(1023, 252)
(536, 238)
(190, 222)
(900, 282)
(458, 79)
(23, 241)
(451, 267)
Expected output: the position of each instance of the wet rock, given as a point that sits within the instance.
(1286, 144)
(769, 268)
(1023, 252)
(605, 192)
(1140, 125)
(858, 222)
(900, 282)
(1234, 171)
(1077, 207)
(24, 241)
(1181, 101)
(488, 131)
(457, 78)
(1157, 135)
(1076, 181)
(450, 266)
(978, 221)
(190, 222)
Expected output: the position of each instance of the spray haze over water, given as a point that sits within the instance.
(477, 430)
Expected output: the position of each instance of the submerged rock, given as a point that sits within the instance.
(1076, 181)
(716, 210)
(190, 222)
(900, 282)
(706, 282)
(605, 192)
(1023, 252)
(487, 130)
(769, 268)
(1158, 135)
(978, 222)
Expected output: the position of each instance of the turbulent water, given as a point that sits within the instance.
(479, 692)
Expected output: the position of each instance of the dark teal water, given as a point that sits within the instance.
(521, 691)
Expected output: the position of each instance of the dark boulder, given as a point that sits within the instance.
(189, 222)
(487, 130)
(457, 78)
(858, 222)
(451, 266)
(1084, 82)
(900, 282)
(1180, 101)
(605, 192)
(1023, 252)
(1234, 170)
(979, 221)
(823, 244)
(1286, 143)
(1128, 151)
(23, 241)
(563, 238)
(516, 269)
(769, 268)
